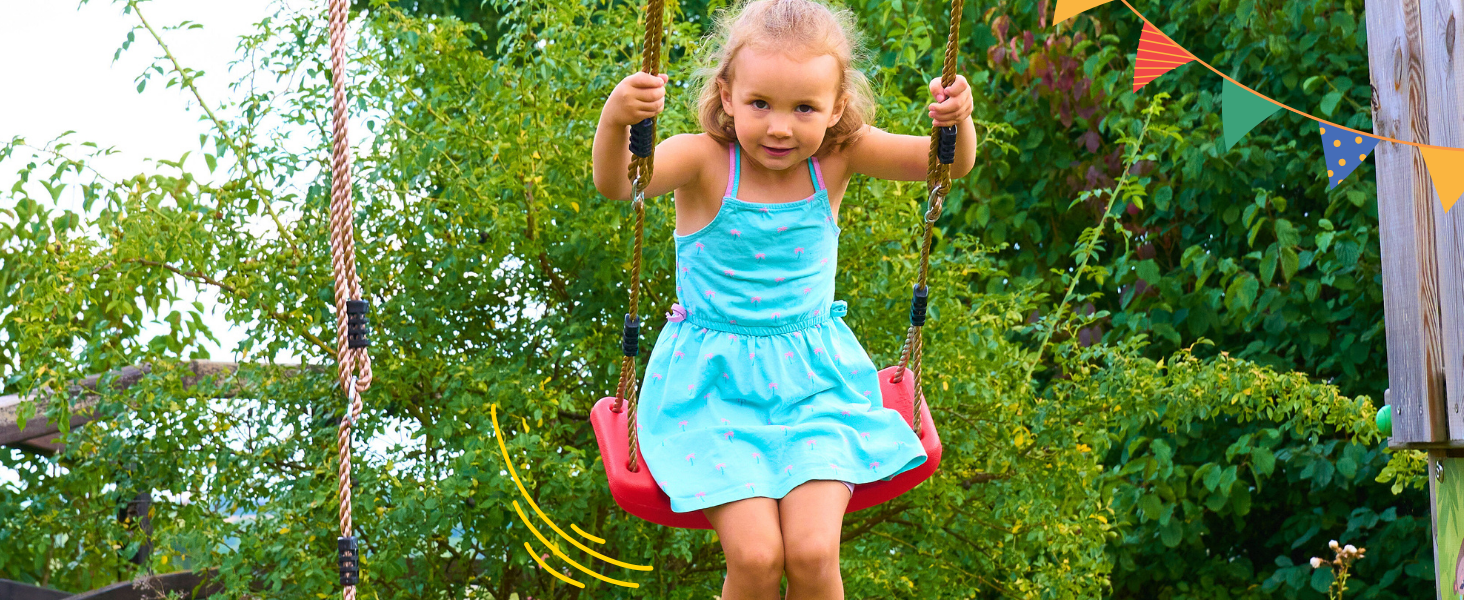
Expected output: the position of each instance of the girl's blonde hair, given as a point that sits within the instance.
(785, 25)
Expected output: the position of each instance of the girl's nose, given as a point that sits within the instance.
(780, 127)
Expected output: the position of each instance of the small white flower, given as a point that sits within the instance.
(1350, 549)
(1332, 544)
(1316, 563)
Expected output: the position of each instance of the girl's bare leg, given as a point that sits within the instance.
(812, 516)
(753, 543)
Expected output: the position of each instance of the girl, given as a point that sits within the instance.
(760, 408)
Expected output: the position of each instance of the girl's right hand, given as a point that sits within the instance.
(637, 98)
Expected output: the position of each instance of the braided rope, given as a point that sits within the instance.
(641, 167)
(938, 184)
(639, 172)
(353, 364)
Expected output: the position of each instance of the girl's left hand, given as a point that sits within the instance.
(953, 104)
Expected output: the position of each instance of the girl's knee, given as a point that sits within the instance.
(811, 558)
(759, 559)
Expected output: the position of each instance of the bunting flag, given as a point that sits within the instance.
(1446, 167)
(1157, 55)
(1241, 111)
(1345, 151)
(1067, 9)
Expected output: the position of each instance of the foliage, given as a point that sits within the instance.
(1245, 248)
(497, 278)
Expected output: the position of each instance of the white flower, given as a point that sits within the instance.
(1332, 544)
(1350, 549)
(1316, 563)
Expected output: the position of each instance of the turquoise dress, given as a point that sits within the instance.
(756, 385)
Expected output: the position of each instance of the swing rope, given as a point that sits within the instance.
(642, 161)
(353, 360)
(938, 184)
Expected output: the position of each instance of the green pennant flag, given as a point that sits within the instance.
(1241, 111)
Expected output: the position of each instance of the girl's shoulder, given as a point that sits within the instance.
(692, 145)
(837, 161)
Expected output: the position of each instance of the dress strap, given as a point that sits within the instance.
(735, 174)
(817, 174)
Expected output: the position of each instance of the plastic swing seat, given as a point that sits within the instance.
(637, 492)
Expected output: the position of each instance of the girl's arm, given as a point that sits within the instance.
(636, 98)
(906, 157)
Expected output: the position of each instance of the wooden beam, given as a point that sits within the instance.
(1407, 205)
(40, 434)
(182, 584)
(15, 590)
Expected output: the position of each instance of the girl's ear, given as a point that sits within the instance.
(725, 92)
(839, 107)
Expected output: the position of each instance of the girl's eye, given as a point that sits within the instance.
(759, 104)
(804, 108)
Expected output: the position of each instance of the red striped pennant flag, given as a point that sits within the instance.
(1157, 55)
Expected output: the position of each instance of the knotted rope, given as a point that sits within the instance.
(938, 185)
(354, 363)
(639, 173)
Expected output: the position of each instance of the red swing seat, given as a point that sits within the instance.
(637, 492)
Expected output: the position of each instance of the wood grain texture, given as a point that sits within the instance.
(1445, 77)
(1406, 206)
(40, 434)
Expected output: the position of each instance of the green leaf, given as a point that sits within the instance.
(1149, 271)
(1268, 265)
(1321, 580)
(1263, 461)
(1171, 533)
(1290, 262)
(1329, 102)
(1150, 507)
(1240, 499)
(1286, 234)
(1241, 293)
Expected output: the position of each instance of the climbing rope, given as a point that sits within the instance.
(938, 185)
(353, 361)
(642, 161)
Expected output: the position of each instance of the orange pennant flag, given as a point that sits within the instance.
(1067, 9)
(1446, 167)
(1157, 55)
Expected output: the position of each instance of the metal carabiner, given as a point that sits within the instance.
(931, 215)
(637, 191)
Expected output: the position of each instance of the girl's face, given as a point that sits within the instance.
(782, 105)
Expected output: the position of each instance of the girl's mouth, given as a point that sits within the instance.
(777, 152)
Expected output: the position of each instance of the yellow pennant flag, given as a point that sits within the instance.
(1067, 9)
(1446, 167)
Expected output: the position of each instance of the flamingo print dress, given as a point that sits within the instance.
(756, 385)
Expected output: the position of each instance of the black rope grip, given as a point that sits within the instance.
(642, 137)
(356, 323)
(630, 337)
(917, 305)
(348, 560)
(945, 148)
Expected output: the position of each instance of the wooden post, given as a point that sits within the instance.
(1407, 205)
(1445, 83)
(1417, 83)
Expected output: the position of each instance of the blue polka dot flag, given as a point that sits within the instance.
(1345, 150)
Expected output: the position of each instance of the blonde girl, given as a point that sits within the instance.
(760, 407)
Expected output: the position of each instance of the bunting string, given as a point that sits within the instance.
(1244, 108)
(1383, 138)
